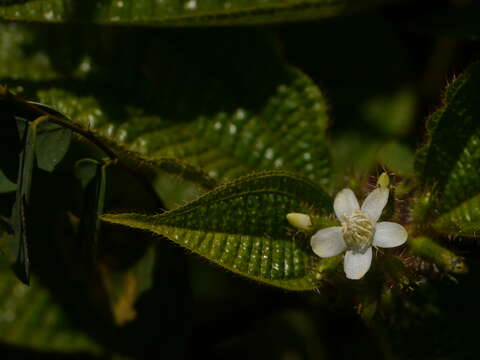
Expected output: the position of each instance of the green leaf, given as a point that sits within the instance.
(127, 285)
(6, 185)
(180, 13)
(397, 157)
(92, 175)
(242, 226)
(31, 318)
(225, 145)
(449, 161)
(20, 208)
(10, 145)
(204, 123)
(53, 142)
(429, 249)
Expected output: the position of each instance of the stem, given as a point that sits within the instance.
(39, 112)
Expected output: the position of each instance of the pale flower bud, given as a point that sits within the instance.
(300, 221)
(383, 180)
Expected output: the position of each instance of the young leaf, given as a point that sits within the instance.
(242, 226)
(171, 12)
(449, 161)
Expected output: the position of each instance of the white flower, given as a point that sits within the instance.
(359, 230)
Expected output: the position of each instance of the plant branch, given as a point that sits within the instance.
(37, 112)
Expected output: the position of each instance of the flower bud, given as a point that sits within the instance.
(300, 221)
(383, 180)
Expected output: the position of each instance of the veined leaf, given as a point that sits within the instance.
(226, 145)
(450, 160)
(464, 220)
(179, 13)
(206, 122)
(242, 226)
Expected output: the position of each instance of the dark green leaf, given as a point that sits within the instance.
(449, 161)
(92, 175)
(31, 318)
(9, 144)
(5, 184)
(86, 170)
(20, 208)
(181, 13)
(52, 145)
(242, 226)
(53, 141)
(225, 145)
(397, 158)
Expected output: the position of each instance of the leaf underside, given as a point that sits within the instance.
(242, 226)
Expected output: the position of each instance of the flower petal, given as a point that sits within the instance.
(389, 234)
(374, 203)
(345, 203)
(356, 264)
(328, 242)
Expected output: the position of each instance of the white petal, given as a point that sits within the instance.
(345, 203)
(328, 242)
(389, 234)
(357, 264)
(374, 203)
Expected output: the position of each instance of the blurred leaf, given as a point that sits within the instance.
(31, 318)
(392, 114)
(450, 159)
(372, 94)
(15, 40)
(174, 192)
(180, 13)
(5, 184)
(20, 208)
(125, 287)
(242, 226)
(397, 158)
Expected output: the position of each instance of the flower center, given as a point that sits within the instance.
(357, 231)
